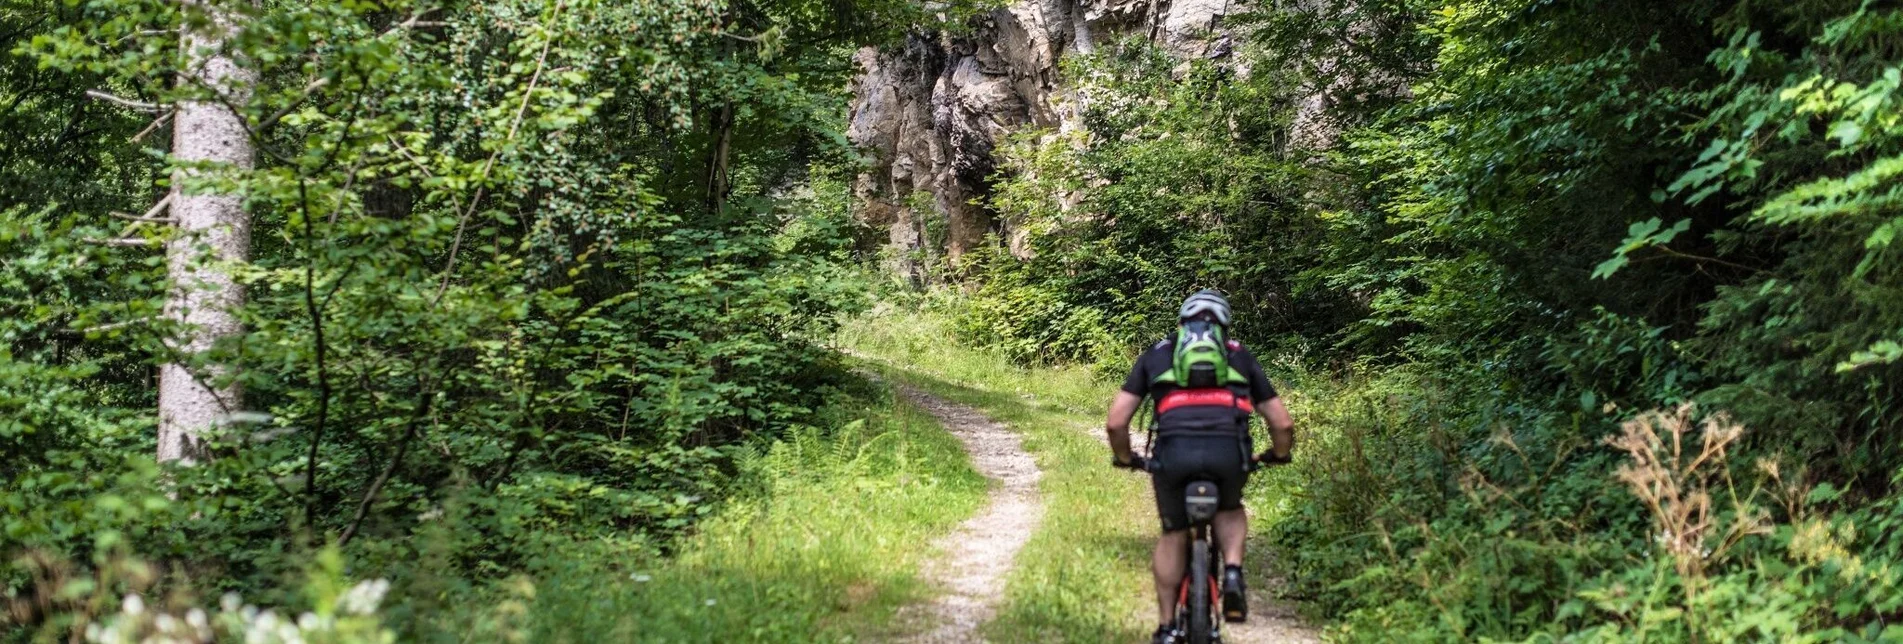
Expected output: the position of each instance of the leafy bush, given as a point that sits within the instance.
(1179, 180)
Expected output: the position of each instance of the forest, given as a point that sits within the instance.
(570, 320)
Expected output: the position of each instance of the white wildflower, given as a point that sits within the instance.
(260, 626)
(363, 598)
(289, 634)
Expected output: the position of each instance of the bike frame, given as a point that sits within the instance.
(1205, 628)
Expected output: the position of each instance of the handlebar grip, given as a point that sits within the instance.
(1137, 463)
(1268, 458)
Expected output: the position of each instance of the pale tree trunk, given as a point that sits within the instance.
(213, 233)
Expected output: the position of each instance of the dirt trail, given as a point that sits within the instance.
(979, 555)
(1270, 619)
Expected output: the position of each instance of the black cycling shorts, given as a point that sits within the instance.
(1181, 459)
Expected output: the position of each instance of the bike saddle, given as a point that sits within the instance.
(1200, 498)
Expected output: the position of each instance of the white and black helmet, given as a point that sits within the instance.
(1209, 301)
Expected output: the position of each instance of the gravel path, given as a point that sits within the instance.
(979, 555)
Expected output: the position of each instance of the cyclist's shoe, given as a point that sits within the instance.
(1235, 596)
(1164, 635)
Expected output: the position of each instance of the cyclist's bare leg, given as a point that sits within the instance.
(1168, 564)
(1232, 526)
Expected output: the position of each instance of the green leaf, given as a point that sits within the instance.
(1847, 133)
(1883, 352)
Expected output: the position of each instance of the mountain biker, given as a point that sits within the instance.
(1202, 434)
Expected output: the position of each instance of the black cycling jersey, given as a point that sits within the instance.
(1199, 411)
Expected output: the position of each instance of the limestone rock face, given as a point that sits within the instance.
(931, 111)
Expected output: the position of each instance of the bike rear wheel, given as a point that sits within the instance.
(1199, 629)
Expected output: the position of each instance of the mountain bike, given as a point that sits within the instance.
(1198, 618)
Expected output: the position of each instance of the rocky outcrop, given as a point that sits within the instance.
(931, 111)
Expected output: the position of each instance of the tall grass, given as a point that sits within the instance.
(824, 547)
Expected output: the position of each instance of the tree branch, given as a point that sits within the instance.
(102, 328)
(142, 33)
(402, 448)
(126, 102)
(124, 242)
(151, 214)
(319, 349)
(154, 127)
(309, 89)
(541, 61)
(316, 311)
(1702, 259)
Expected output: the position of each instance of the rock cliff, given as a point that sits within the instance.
(930, 111)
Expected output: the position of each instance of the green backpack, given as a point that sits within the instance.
(1202, 358)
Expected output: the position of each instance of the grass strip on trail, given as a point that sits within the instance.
(826, 550)
(1084, 577)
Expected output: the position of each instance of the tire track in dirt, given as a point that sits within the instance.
(975, 559)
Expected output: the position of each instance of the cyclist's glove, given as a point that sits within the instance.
(1269, 458)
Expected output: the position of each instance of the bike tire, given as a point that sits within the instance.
(1200, 629)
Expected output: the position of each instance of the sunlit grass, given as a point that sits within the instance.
(826, 551)
(1084, 576)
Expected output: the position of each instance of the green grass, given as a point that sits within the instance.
(831, 543)
(1084, 577)
(825, 549)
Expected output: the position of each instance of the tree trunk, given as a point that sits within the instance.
(213, 232)
(718, 177)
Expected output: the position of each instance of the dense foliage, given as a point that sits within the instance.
(1530, 223)
(1591, 312)
(1177, 182)
(524, 273)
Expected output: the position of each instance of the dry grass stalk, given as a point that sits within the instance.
(1675, 479)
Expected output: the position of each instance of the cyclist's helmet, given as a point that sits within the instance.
(1209, 301)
